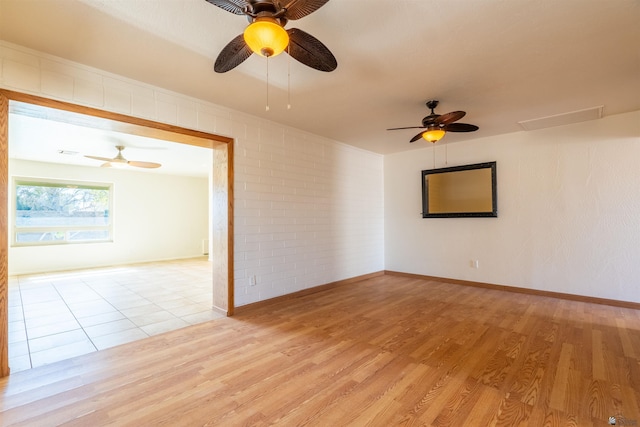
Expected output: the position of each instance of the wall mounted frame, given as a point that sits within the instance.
(460, 191)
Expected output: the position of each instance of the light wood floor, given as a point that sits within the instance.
(382, 352)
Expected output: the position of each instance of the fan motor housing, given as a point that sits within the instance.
(429, 119)
(264, 8)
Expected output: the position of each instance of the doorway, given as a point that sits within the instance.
(221, 192)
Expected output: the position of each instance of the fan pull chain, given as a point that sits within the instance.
(267, 106)
(288, 77)
(446, 154)
(434, 155)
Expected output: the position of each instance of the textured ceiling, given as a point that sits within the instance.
(501, 61)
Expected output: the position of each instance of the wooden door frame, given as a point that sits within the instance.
(222, 193)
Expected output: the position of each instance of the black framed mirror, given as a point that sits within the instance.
(460, 191)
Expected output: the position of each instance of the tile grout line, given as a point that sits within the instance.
(114, 307)
(151, 302)
(24, 321)
(74, 316)
(126, 286)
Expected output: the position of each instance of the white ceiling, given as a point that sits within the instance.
(42, 140)
(501, 61)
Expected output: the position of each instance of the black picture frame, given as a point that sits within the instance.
(451, 203)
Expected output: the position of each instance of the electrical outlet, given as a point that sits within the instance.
(252, 280)
(476, 263)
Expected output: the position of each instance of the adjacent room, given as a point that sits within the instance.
(102, 252)
(420, 212)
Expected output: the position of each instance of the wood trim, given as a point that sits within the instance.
(230, 242)
(320, 288)
(117, 117)
(4, 239)
(221, 226)
(221, 145)
(560, 295)
(220, 311)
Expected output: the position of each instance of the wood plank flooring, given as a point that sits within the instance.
(382, 352)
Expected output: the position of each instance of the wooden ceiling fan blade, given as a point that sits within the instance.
(310, 51)
(297, 9)
(232, 55)
(451, 117)
(102, 159)
(237, 7)
(417, 137)
(147, 165)
(409, 127)
(460, 127)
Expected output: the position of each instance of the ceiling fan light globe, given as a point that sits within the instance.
(433, 135)
(118, 164)
(266, 37)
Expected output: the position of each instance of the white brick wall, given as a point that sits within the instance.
(308, 210)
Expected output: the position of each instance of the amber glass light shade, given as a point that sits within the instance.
(266, 37)
(433, 134)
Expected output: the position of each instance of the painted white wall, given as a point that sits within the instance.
(156, 217)
(308, 210)
(568, 206)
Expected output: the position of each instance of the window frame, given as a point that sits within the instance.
(52, 182)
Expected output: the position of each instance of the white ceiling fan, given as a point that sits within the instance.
(119, 161)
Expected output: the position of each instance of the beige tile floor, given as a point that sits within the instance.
(56, 316)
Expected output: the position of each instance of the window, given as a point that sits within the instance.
(54, 212)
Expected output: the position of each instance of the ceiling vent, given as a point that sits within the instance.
(592, 113)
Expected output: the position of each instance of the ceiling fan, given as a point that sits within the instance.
(437, 125)
(267, 37)
(119, 160)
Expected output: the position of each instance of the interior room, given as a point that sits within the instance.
(166, 205)
(346, 299)
(104, 290)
